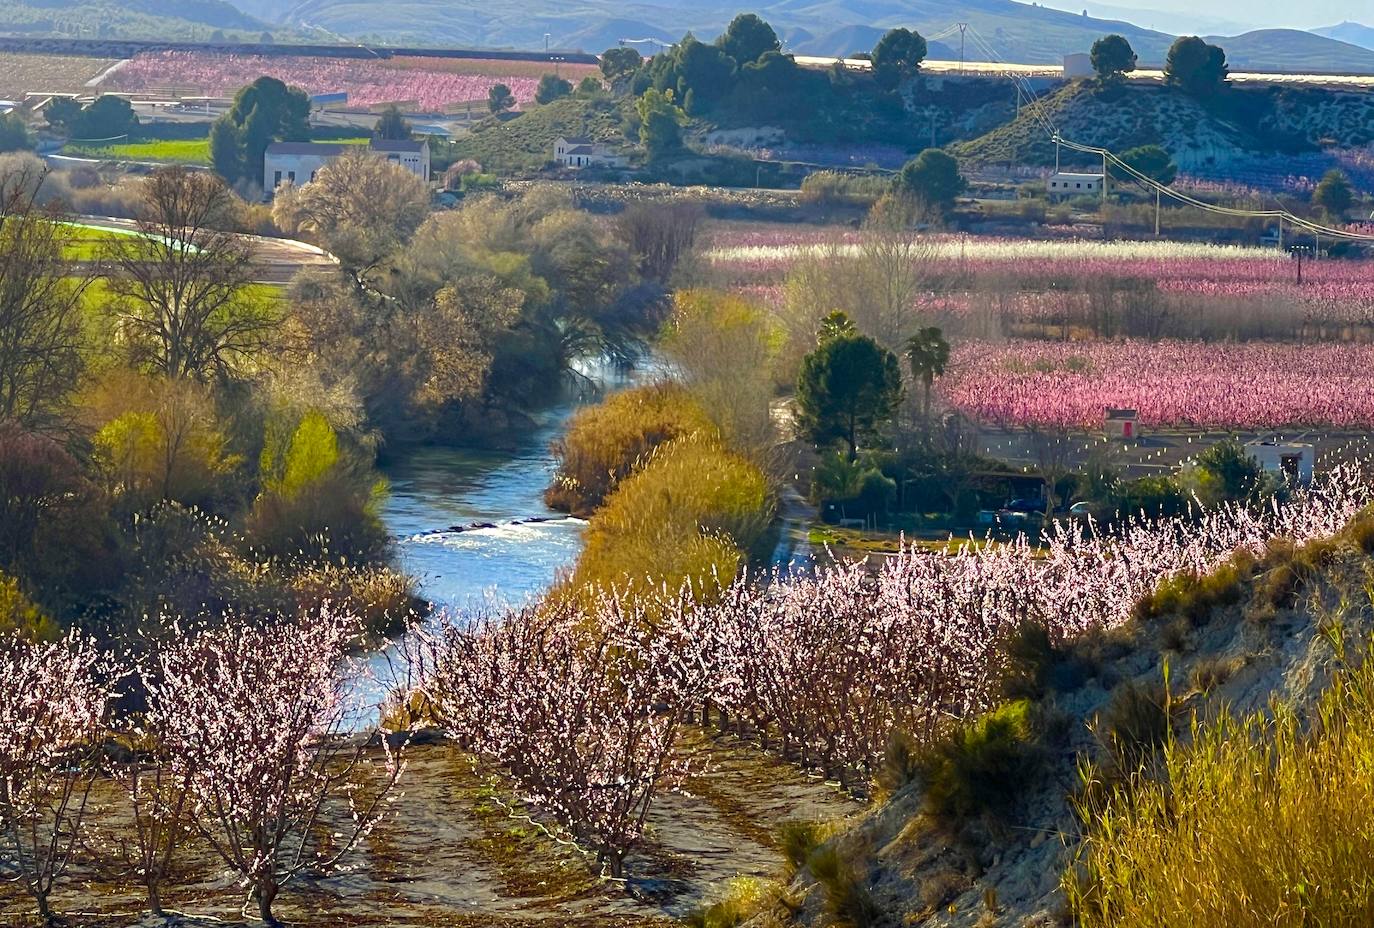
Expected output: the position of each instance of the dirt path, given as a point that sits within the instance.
(453, 854)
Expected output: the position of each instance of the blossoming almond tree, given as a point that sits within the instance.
(54, 699)
(254, 720)
(580, 706)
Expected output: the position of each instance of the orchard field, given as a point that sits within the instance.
(426, 83)
(21, 73)
(1049, 333)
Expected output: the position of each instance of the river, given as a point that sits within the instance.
(435, 490)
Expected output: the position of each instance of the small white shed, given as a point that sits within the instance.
(1078, 65)
(1122, 423)
(1066, 184)
(1293, 461)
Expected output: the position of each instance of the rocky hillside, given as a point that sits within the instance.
(1252, 632)
(1251, 120)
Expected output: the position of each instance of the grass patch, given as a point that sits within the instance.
(1266, 819)
(170, 150)
(744, 898)
(846, 898)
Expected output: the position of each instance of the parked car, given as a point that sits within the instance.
(1081, 510)
(1026, 505)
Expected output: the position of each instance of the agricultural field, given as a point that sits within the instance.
(169, 151)
(21, 73)
(1048, 333)
(427, 83)
(172, 151)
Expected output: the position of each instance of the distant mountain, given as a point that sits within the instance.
(1354, 33)
(167, 19)
(1004, 29)
(1010, 30)
(1293, 50)
(847, 40)
(1194, 22)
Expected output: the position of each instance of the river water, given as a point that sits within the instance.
(437, 490)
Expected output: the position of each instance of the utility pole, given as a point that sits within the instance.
(547, 36)
(1104, 178)
(962, 28)
(1156, 212)
(1056, 154)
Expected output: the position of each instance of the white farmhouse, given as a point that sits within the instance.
(579, 152)
(1065, 184)
(1291, 460)
(299, 162)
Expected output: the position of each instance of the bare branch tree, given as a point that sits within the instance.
(40, 300)
(180, 288)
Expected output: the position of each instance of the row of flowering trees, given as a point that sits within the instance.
(239, 741)
(580, 702)
(238, 738)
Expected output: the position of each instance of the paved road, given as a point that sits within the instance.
(277, 259)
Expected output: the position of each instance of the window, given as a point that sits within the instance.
(1080, 186)
(312, 175)
(291, 176)
(276, 179)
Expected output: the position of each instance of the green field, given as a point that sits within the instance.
(168, 151)
(171, 151)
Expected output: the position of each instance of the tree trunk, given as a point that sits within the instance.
(154, 899)
(265, 894)
(44, 909)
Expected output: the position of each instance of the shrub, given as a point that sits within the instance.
(1136, 722)
(54, 525)
(981, 768)
(21, 618)
(1035, 665)
(832, 187)
(798, 841)
(315, 504)
(1267, 820)
(382, 598)
(744, 898)
(847, 899)
(1194, 597)
(160, 439)
(690, 514)
(606, 443)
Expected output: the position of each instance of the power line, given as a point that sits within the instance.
(1045, 118)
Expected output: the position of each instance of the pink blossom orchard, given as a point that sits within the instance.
(54, 699)
(366, 81)
(251, 720)
(1044, 274)
(1251, 385)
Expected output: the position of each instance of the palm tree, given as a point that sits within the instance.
(927, 352)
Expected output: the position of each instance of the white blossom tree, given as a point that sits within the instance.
(54, 699)
(254, 719)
